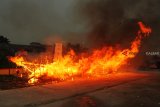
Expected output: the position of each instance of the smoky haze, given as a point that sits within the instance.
(25, 21)
(115, 21)
(92, 22)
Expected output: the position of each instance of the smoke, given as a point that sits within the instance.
(115, 21)
(25, 21)
(105, 22)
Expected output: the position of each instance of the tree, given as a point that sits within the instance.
(4, 40)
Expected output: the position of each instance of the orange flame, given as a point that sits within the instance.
(144, 29)
(100, 62)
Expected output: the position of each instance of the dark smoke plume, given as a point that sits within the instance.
(115, 21)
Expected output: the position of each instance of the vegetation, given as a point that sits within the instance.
(5, 51)
(4, 40)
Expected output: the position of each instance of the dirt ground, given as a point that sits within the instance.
(117, 90)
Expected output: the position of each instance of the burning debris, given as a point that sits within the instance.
(100, 62)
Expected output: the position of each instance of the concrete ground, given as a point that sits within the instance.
(116, 90)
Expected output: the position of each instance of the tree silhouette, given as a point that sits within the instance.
(4, 40)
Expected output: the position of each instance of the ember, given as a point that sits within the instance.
(100, 62)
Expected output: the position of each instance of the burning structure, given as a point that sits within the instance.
(58, 51)
(103, 75)
(99, 62)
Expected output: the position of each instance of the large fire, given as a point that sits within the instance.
(100, 62)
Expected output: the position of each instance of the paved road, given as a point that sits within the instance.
(117, 90)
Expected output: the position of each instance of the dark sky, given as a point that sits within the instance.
(25, 21)
(83, 21)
